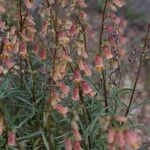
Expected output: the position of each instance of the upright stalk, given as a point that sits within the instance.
(20, 29)
(51, 82)
(86, 117)
(100, 51)
(139, 70)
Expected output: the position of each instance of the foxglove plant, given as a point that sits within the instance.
(52, 96)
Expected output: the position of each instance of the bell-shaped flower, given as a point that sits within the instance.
(87, 70)
(2, 9)
(111, 135)
(23, 49)
(77, 76)
(28, 4)
(119, 3)
(64, 88)
(16, 46)
(43, 54)
(2, 25)
(68, 144)
(1, 122)
(86, 88)
(99, 66)
(77, 135)
(61, 109)
(76, 145)
(75, 94)
(81, 65)
(132, 139)
(11, 139)
(24, 36)
(107, 52)
(9, 63)
(120, 139)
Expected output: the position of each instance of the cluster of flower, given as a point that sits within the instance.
(122, 138)
(64, 34)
